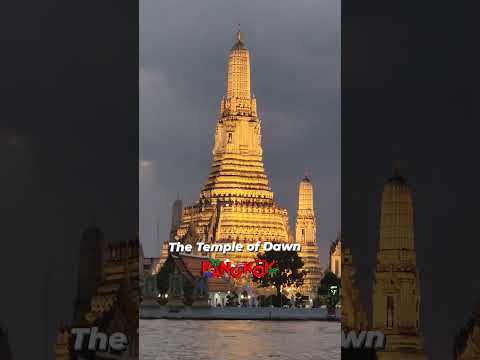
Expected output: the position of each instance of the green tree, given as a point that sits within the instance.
(289, 272)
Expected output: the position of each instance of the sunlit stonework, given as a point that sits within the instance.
(236, 203)
(306, 235)
(396, 292)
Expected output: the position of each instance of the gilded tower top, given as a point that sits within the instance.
(396, 223)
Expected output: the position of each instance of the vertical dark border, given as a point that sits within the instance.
(69, 152)
(409, 92)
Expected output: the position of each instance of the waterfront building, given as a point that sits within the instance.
(396, 290)
(306, 236)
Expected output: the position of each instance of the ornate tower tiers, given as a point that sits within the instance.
(306, 235)
(236, 203)
(396, 293)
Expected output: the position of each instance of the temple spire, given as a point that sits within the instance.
(396, 217)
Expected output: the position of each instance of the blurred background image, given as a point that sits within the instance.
(409, 193)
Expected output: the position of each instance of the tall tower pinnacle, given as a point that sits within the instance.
(236, 202)
(306, 235)
(239, 34)
(177, 209)
(396, 222)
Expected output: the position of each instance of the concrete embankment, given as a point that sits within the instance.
(234, 313)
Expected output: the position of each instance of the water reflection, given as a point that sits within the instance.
(238, 339)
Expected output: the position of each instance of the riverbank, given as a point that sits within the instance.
(236, 313)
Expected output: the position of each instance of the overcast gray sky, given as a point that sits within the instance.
(295, 58)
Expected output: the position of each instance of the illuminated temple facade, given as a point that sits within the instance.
(236, 202)
(396, 291)
(306, 235)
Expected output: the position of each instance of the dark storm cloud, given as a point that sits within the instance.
(295, 56)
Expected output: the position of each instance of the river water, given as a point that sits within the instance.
(239, 339)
